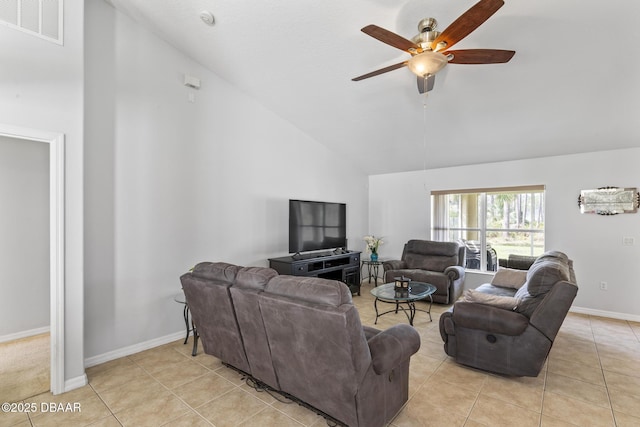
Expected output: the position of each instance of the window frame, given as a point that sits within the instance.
(440, 219)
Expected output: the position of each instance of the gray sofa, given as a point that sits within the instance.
(438, 263)
(302, 336)
(518, 262)
(509, 325)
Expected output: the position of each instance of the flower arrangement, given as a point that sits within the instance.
(373, 243)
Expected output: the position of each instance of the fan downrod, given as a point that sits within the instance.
(427, 24)
(427, 33)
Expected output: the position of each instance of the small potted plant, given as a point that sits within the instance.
(373, 243)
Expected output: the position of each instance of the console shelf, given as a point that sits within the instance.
(344, 267)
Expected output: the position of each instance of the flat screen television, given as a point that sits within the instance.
(316, 225)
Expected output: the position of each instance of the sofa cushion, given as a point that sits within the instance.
(428, 247)
(544, 273)
(500, 301)
(519, 262)
(557, 255)
(428, 255)
(488, 288)
(254, 277)
(218, 271)
(527, 303)
(509, 278)
(310, 289)
(433, 263)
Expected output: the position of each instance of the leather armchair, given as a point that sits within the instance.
(438, 263)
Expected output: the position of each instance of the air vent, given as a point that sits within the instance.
(42, 18)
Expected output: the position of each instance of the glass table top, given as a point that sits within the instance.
(417, 291)
(180, 298)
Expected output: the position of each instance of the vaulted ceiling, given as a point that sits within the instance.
(571, 87)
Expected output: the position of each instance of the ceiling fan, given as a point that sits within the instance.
(429, 50)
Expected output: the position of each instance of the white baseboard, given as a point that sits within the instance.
(25, 334)
(77, 382)
(602, 313)
(132, 349)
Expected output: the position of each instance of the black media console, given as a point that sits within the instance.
(344, 267)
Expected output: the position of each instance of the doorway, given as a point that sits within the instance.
(55, 143)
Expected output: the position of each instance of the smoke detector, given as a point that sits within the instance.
(207, 17)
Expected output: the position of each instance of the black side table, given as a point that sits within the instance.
(180, 299)
(373, 269)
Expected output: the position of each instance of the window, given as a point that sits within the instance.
(492, 223)
(41, 18)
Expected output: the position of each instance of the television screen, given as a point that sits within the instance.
(316, 225)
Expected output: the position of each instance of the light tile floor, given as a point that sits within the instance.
(592, 378)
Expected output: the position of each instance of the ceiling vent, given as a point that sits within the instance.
(41, 18)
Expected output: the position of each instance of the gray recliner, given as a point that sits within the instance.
(438, 263)
(510, 330)
(302, 336)
(322, 356)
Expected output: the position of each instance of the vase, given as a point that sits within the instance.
(374, 256)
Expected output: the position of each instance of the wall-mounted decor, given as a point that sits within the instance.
(609, 201)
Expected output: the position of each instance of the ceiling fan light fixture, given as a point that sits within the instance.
(426, 63)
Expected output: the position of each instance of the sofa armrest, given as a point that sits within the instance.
(394, 264)
(550, 314)
(454, 272)
(370, 332)
(472, 315)
(392, 346)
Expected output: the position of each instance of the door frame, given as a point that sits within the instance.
(56, 242)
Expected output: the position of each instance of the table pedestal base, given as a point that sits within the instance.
(409, 311)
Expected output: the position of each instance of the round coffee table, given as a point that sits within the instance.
(387, 293)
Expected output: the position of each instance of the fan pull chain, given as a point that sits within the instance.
(424, 139)
(424, 135)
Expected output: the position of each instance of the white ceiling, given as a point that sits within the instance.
(571, 87)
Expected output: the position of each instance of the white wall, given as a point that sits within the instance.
(399, 207)
(170, 183)
(24, 227)
(41, 86)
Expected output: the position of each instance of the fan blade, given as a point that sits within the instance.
(392, 39)
(467, 22)
(479, 56)
(425, 84)
(380, 71)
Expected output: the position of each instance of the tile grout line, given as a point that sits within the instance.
(544, 387)
(235, 387)
(105, 404)
(604, 378)
(178, 397)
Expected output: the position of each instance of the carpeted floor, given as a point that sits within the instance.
(24, 368)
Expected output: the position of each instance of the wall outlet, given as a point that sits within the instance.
(604, 286)
(628, 241)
